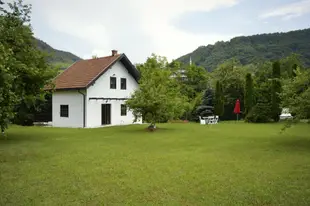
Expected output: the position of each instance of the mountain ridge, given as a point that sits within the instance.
(253, 48)
(56, 56)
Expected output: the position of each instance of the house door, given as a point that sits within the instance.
(105, 114)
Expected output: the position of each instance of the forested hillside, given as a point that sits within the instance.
(57, 57)
(251, 49)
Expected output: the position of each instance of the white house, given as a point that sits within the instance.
(91, 93)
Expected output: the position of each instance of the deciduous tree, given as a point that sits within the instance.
(231, 75)
(23, 68)
(248, 93)
(275, 92)
(194, 80)
(158, 97)
(295, 94)
(219, 99)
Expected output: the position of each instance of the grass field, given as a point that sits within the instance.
(180, 164)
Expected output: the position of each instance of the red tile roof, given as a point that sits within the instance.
(83, 72)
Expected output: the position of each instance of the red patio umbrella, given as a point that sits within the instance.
(237, 108)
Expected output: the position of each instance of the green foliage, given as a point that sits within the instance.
(289, 65)
(275, 92)
(296, 94)
(60, 66)
(262, 83)
(253, 49)
(7, 97)
(231, 75)
(193, 84)
(23, 71)
(196, 79)
(260, 113)
(159, 97)
(219, 99)
(208, 98)
(190, 113)
(248, 93)
(276, 70)
(207, 105)
(261, 107)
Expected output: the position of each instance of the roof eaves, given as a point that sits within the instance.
(135, 73)
(65, 89)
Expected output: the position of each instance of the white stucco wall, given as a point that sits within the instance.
(101, 88)
(75, 102)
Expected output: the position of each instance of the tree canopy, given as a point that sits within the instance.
(158, 97)
(296, 94)
(231, 76)
(23, 68)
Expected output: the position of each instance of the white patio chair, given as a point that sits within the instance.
(210, 119)
(207, 120)
(202, 121)
(216, 119)
(285, 114)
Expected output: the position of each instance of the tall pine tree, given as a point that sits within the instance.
(276, 89)
(207, 105)
(294, 68)
(219, 99)
(248, 94)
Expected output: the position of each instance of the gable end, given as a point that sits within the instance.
(128, 65)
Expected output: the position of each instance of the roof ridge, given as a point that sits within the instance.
(102, 57)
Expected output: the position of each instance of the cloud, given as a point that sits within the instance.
(289, 11)
(135, 27)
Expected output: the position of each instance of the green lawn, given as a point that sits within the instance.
(180, 164)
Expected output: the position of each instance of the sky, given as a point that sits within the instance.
(169, 28)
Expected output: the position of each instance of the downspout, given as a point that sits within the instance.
(84, 109)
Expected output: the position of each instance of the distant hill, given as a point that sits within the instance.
(58, 57)
(251, 49)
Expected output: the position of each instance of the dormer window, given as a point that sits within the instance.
(112, 82)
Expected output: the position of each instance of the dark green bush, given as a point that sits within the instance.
(205, 110)
(260, 113)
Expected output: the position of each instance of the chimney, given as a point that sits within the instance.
(114, 52)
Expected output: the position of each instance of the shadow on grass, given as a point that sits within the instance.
(9, 139)
(295, 144)
(143, 129)
(14, 137)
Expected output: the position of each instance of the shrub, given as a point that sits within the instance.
(204, 110)
(260, 113)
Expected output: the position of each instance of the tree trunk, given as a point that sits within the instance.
(152, 127)
(3, 134)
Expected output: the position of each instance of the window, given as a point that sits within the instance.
(123, 110)
(123, 83)
(64, 110)
(112, 82)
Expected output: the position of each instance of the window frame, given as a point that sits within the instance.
(123, 110)
(64, 112)
(114, 78)
(123, 83)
